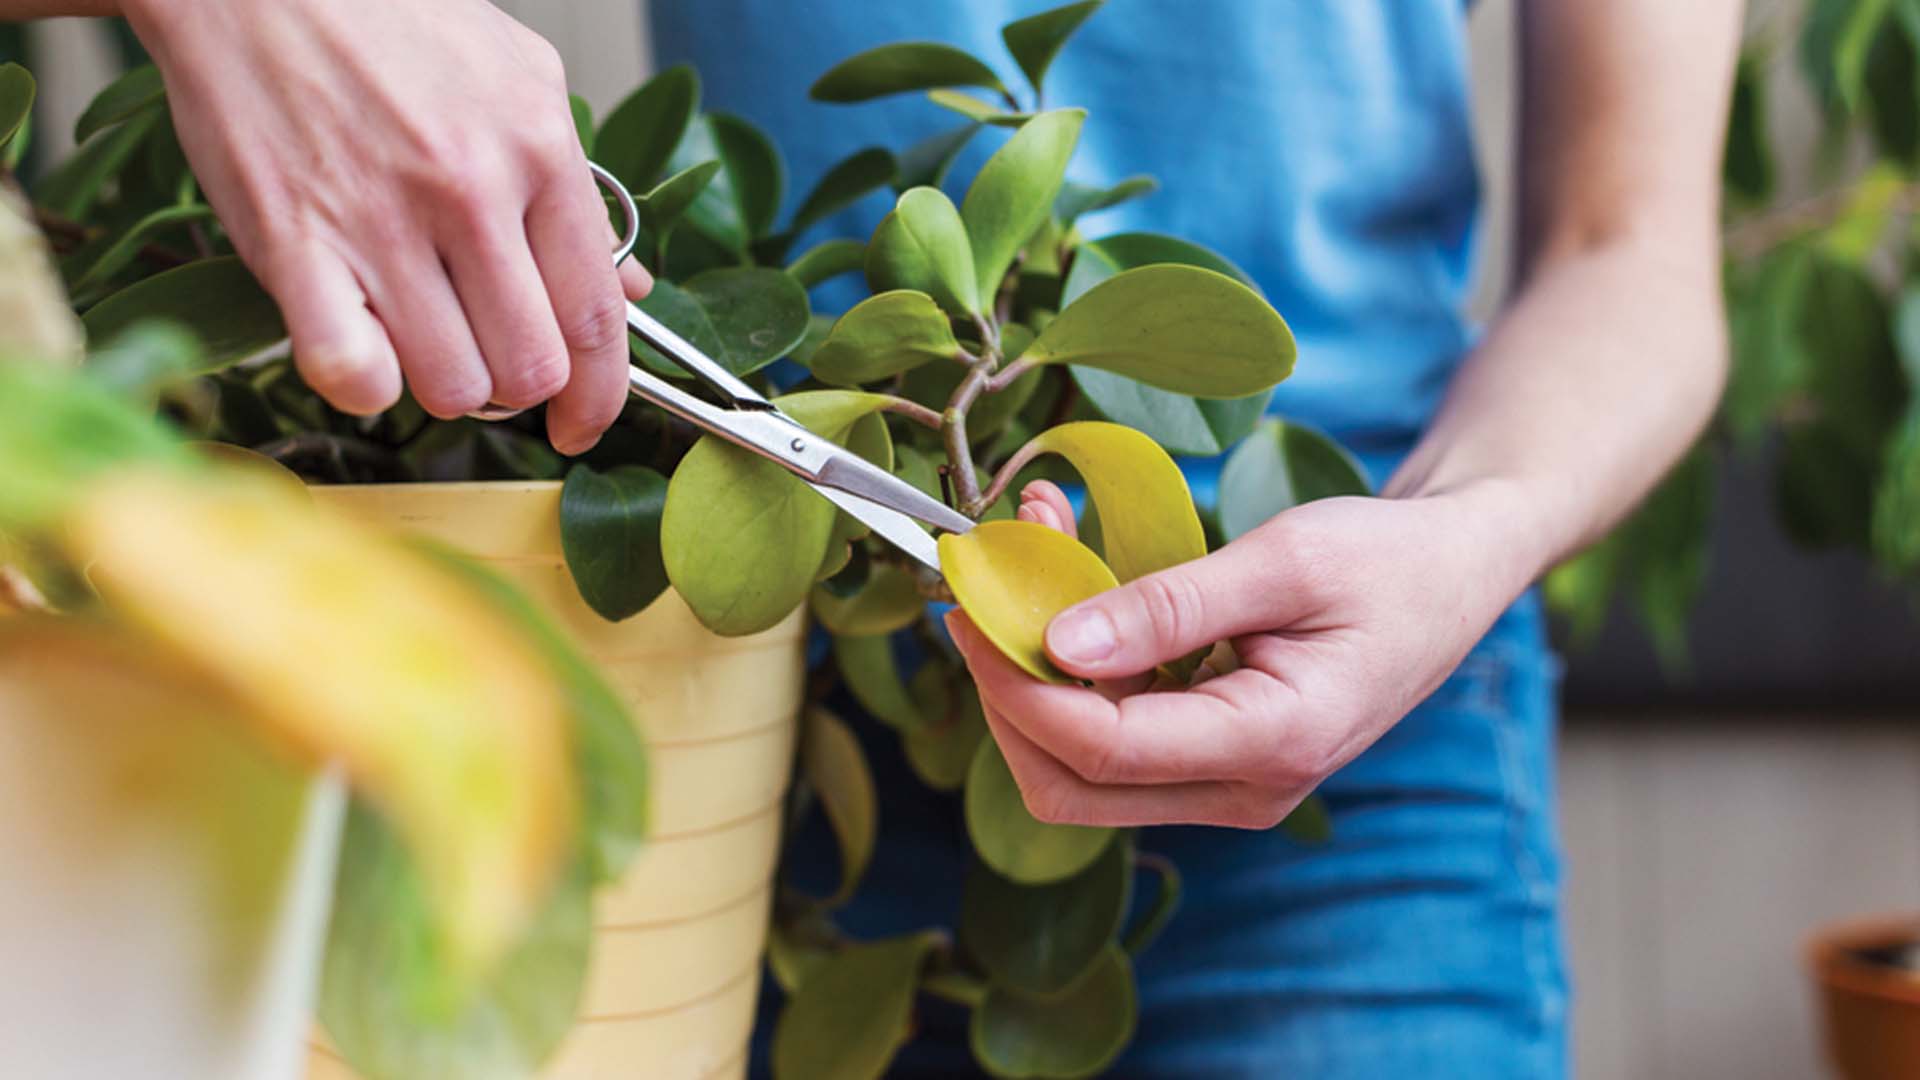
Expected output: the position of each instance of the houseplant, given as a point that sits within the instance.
(1868, 972)
(999, 343)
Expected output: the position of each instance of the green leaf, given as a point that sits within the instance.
(663, 207)
(1076, 1034)
(1077, 199)
(922, 245)
(1040, 939)
(902, 67)
(639, 136)
(827, 260)
(1179, 328)
(890, 601)
(71, 189)
(610, 760)
(740, 204)
(1770, 363)
(745, 317)
(17, 91)
(1035, 40)
(1896, 505)
(852, 1014)
(218, 300)
(147, 357)
(882, 336)
(872, 675)
(981, 112)
(927, 162)
(845, 184)
(742, 538)
(131, 94)
(59, 431)
(1748, 160)
(582, 121)
(836, 769)
(942, 748)
(1099, 260)
(1013, 195)
(1012, 841)
(1893, 90)
(1907, 334)
(1309, 823)
(1280, 467)
(127, 245)
(610, 533)
(386, 994)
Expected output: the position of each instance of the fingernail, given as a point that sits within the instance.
(1028, 514)
(1082, 637)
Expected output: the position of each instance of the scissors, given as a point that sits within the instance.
(883, 502)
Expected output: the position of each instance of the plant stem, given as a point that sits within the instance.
(957, 987)
(1007, 471)
(913, 411)
(966, 480)
(1760, 234)
(1006, 376)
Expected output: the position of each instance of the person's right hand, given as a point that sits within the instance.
(404, 177)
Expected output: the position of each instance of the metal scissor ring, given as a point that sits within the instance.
(629, 239)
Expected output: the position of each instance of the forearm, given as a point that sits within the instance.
(1595, 379)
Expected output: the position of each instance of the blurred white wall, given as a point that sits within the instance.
(1702, 849)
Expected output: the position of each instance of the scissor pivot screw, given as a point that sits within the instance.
(798, 445)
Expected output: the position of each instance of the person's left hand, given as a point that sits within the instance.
(1344, 613)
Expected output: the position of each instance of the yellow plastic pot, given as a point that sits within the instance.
(676, 964)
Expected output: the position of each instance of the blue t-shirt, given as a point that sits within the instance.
(1322, 145)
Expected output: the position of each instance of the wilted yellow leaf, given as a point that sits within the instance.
(1013, 577)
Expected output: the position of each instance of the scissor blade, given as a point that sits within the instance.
(696, 363)
(895, 528)
(852, 473)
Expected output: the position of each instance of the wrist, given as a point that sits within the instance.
(1504, 528)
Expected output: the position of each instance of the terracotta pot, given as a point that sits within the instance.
(1871, 1010)
(676, 963)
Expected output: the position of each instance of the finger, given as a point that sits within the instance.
(1042, 501)
(1149, 738)
(1053, 793)
(1162, 616)
(339, 348)
(501, 290)
(567, 227)
(429, 330)
(635, 281)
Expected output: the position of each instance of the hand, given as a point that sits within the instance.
(404, 178)
(1344, 615)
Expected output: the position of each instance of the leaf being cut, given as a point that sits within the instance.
(443, 714)
(1147, 518)
(1179, 328)
(1012, 841)
(1013, 195)
(853, 1012)
(902, 67)
(1013, 577)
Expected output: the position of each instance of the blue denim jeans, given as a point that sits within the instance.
(1422, 941)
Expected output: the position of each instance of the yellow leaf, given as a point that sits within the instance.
(1013, 577)
(347, 645)
(1147, 519)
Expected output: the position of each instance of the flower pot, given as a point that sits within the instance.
(676, 963)
(1870, 1004)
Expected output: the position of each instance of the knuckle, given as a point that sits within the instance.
(1047, 802)
(1173, 606)
(531, 383)
(451, 398)
(598, 325)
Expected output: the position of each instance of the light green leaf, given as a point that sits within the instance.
(1077, 1034)
(981, 112)
(1013, 195)
(868, 436)
(901, 67)
(1035, 40)
(218, 300)
(890, 601)
(1013, 577)
(147, 357)
(1041, 939)
(744, 317)
(1179, 328)
(663, 207)
(385, 997)
(1280, 467)
(59, 431)
(827, 260)
(941, 750)
(927, 162)
(639, 136)
(922, 245)
(845, 184)
(1013, 842)
(17, 92)
(610, 533)
(1099, 260)
(836, 769)
(135, 92)
(1077, 199)
(872, 675)
(885, 335)
(852, 1013)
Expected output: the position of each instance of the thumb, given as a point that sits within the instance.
(1166, 615)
